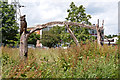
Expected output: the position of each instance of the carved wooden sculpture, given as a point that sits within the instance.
(23, 39)
(23, 24)
(24, 36)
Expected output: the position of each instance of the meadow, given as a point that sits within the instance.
(86, 61)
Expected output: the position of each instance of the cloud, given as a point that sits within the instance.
(107, 11)
(42, 11)
(95, 8)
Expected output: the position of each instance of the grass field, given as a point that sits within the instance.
(86, 61)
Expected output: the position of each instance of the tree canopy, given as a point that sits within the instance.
(33, 38)
(75, 14)
(9, 25)
(51, 38)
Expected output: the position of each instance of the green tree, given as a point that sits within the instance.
(9, 25)
(114, 35)
(50, 38)
(59, 34)
(77, 14)
(33, 38)
(109, 36)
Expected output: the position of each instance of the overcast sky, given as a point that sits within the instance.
(43, 11)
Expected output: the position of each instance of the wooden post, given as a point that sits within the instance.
(72, 35)
(102, 33)
(98, 33)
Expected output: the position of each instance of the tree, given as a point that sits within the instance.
(114, 35)
(109, 36)
(9, 25)
(51, 38)
(33, 38)
(77, 14)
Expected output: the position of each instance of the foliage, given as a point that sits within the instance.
(9, 25)
(77, 14)
(111, 36)
(50, 38)
(119, 46)
(59, 34)
(87, 61)
(33, 38)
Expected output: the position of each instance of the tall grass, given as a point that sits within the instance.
(86, 61)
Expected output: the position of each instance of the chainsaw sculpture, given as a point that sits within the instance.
(23, 24)
(23, 39)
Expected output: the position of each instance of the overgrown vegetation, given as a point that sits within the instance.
(87, 61)
(50, 38)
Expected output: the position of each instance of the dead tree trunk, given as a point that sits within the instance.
(23, 46)
(72, 35)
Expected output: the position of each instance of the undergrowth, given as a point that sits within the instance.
(86, 61)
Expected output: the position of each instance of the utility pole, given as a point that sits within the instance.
(16, 4)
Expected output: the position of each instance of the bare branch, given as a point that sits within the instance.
(72, 35)
(39, 27)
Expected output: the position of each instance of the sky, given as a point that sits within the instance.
(43, 11)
